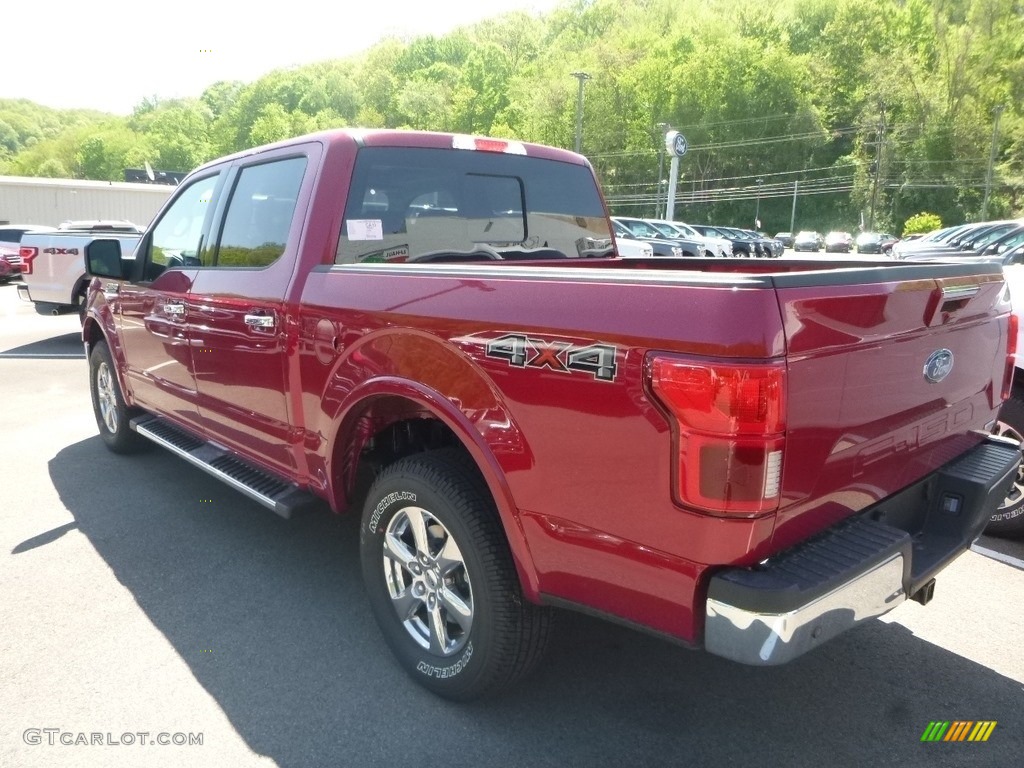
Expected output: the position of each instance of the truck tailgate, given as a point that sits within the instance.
(888, 380)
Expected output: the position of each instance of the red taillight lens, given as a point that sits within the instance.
(27, 255)
(730, 422)
(1012, 327)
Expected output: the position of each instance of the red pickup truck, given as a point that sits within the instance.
(436, 330)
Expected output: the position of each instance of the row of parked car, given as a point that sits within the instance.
(1001, 241)
(657, 237)
(839, 242)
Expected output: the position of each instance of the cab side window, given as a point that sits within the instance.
(260, 212)
(177, 237)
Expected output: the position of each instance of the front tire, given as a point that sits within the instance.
(441, 582)
(112, 415)
(1008, 520)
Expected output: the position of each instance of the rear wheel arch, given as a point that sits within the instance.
(414, 419)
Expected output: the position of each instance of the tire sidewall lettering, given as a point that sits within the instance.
(442, 673)
(1009, 514)
(381, 508)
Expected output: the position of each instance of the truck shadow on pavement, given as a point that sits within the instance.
(65, 346)
(304, 676)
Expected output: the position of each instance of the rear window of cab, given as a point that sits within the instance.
(416, 205)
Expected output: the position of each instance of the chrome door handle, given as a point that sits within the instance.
(174, 308)
(264, 322)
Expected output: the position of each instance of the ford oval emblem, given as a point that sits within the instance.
(939, 364)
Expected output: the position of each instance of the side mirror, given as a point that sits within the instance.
(103, 259)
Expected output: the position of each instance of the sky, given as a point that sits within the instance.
(111, 54)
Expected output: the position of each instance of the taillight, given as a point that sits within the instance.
(730, 424)
(1011, 354)
(28, 255)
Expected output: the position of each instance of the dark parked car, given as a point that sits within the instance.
(741, 246)
(808, 241)
(875, 242)
(786, 238)
(773, 246)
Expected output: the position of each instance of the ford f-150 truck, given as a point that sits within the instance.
(749, 457)
(53, 263)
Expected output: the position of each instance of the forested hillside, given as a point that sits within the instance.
(817, 97)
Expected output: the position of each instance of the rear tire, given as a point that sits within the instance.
(441, 582)
(112, 415)
(1008, 520)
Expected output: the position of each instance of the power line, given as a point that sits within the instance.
(748, 176)
(826, 135)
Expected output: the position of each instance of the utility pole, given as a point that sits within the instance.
(998, 112)
(757, 210)
(582, 77)
(880, 141)
(792, 218)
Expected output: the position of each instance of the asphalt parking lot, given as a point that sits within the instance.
(140, 596)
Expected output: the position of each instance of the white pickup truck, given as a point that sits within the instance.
(53, 263)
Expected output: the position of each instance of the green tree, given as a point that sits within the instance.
(921, 223)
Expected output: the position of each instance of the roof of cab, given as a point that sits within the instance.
(387, 137)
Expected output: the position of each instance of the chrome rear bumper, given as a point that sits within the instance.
(859, 568)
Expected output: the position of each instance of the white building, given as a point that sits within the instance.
(33, 200)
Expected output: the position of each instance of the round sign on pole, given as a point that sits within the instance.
(676, 143)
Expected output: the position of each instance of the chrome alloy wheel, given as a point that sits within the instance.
(107, 396)
(427, 581)
(1016, 492)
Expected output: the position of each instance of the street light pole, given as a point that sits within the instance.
(997, 111)
(663, 127)
(880, 144)
(757, 209)
(582, 77)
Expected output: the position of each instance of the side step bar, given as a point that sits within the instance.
(275, 494)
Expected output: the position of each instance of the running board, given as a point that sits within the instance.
(275, 494)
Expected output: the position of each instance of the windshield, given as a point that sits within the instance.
(417, 205)
(666, 229)
(687, 230)
(641, 228)
(991, 235)
(1011, 240)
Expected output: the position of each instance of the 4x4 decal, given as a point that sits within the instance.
(523, 351)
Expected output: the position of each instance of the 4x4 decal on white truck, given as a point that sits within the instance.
(523, 351)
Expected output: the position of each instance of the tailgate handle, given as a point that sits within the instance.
(960, 294)
(949, 300)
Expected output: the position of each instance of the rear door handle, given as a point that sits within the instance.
(262, 322)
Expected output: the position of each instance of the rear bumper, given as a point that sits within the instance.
(860, 568)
